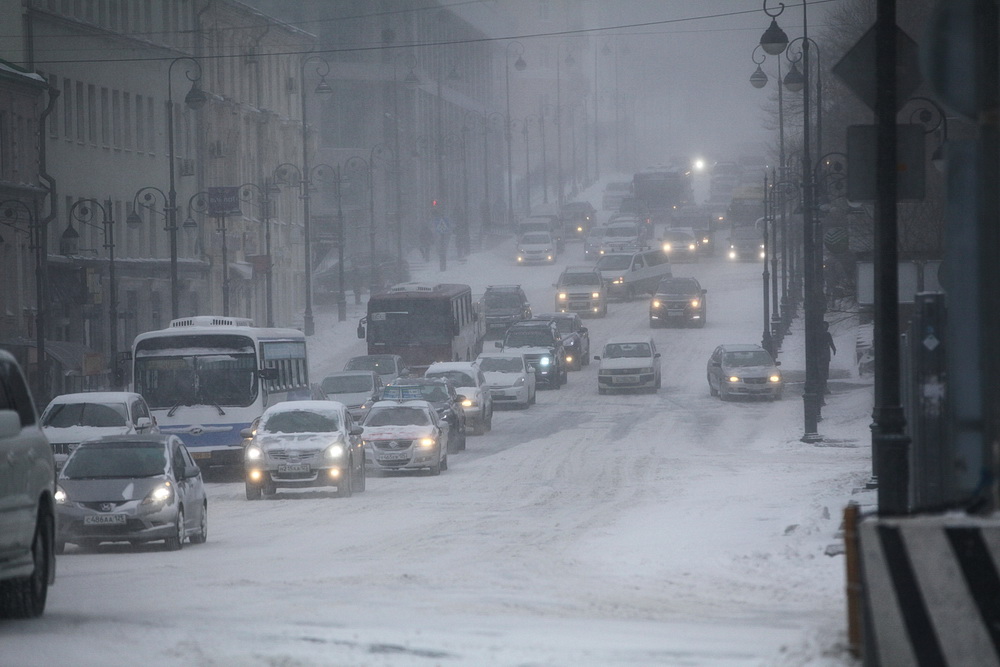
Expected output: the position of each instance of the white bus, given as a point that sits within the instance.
(206, 378)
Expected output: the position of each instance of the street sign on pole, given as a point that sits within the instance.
(223, 202)
(857, 68)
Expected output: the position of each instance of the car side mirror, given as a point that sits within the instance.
(656, 356)
(143, 423)
(246, 433)
(704, 291)
(716, 364)
(597, 357)
(584, 330)
(192, 472)
(356, 430)
(361, 331)
(777, 363)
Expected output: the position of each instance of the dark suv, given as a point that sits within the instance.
(678, 299)
(502, 306)
(541, 344)
(27, 500)
(575, 338)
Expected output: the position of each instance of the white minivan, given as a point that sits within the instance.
(628, 273)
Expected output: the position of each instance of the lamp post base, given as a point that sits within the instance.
(341, 307)
(308, 326)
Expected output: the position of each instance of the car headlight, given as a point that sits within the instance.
(426, 443)
(705, 240)
(734, 378)
(163, 494)
(691, 246)
(619, 280)
(60, 496)
(544, 361)
(666, 247)
(695, 303)
(519, 382)
(468, 403)
(563, 296)
(579, 230)
(595, 295)
(732, 254)
(656, 304)
(774, 378)
(254, 453)
(335, 451)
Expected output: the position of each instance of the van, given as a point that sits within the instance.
(628, 273)
(542, 223)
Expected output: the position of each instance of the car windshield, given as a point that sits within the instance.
(675, 286)
(536, 239)
(503, 300)
(501, 364)
(298, 421)
(619, 350)
(614, 262)
(528, 338)
(457, 378)
(747, 358)
(400, 415)
(347, 384)
(582, 278)
(435, 393)
(113, 460)
(621, 232)
(106, 415)
(380, 364)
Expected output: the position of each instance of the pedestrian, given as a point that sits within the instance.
(825, 348)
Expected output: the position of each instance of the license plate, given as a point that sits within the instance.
(625, 379)
(201, 455)
(395, 456)
(104, 520)
(293, 467)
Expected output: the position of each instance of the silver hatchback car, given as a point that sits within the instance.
(139, 488)
(743, 370)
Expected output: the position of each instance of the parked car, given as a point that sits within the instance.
(628, 362)
(444, 398)
(680, 244)
(536, 248)
(301, 444)
(678, 300)
(131, 488)
(614, 192)
(743, 370)
(355, 389)
(541, 344)
(70, 419)
(388, 366)
(27, 507)
(577, 217)
(405, 435)
(575, 338)
(502, 306)
(509, 377)
(629, 273)
(470, 382)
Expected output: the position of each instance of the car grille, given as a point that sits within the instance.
(103, 505)
(621, 371)
(754, 380)
(285, 454)
(387, 445)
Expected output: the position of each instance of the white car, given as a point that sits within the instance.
(70, 419)
(510, 378)
(470, 382)
(536, 248)
(405, 435)
(628, 362)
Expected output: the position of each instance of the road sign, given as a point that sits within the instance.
(857, 68)
(223, 201)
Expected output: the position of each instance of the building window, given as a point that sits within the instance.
(92, 113)
(67, 105)
(150, 135)
(140, 125)
(155, 311)
(116, 118)
(105, 118)
(81, 131)
(127, 120)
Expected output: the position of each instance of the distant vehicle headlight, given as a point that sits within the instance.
(774, 378)
(695, 303)
(563, 296)
(426, 443)
(335, 451)
(732, 254)
(705, 240)
(254, 453)
(162, 494)
(618, 281)
(656, 303)
(734, 378)
(691, 246)
(545, 361)
(667, 247)
(60, 497)
(468, 403)
(595, 295)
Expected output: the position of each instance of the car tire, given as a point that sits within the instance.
(444, 463)
(586, 359)
(361, 482)
(25, 597)
(345, 486)
(659, 381)
(489, 421)
(202, 535)
(712, 391)
(462, 443)
(176, 541)
(435, 469)
(533, 398)
(60, 547)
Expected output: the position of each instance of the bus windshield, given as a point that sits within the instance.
(412, 321)
(171, 372)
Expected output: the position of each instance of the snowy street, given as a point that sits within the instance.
(649, 529)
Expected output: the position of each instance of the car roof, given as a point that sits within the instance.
(500, 355)
(410, 402)
(349, 373)
(618, 340)
(452, 365)
(535, 322)
(409, 382)
(308, 405)
(145, 438)
(580, 268)
(503, 288)
(375, 356)
(740, 347)
(556, 316)
(96, 397)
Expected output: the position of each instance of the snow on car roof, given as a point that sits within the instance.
(619, 340)
(322, 407)
(452, 365)
(96, 397)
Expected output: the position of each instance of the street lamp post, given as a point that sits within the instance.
(766, 341)
(411, 80)
(558, 122)
(774, 41)
(195, 99)
(10, 210)
(520, 66)
(527, 167)
(83, 211)
(264, 197)
(542, 108)
(323, 89)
